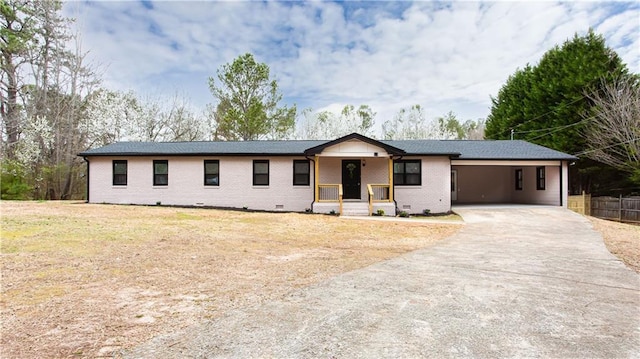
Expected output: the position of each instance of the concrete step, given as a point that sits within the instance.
(355, 209)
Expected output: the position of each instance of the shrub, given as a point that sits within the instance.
(380, 212)
(403, 214)
(426, 212)
(13, 181)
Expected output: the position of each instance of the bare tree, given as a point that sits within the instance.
(182, 123)
(613, 131)
(326, 125)
(409, 124)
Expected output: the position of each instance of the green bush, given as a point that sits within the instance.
(13, 182)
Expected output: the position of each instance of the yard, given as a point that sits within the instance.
(82, 280)
(621, 239)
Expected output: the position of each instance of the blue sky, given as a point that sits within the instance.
(443, 56)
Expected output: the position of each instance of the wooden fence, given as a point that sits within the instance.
(580, 203)
(614, 208)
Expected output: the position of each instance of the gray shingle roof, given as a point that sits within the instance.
(197, 148)
(483, 150)
(467, 150)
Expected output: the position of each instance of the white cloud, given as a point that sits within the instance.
(443, 56)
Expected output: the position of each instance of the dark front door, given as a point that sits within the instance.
(351, 179)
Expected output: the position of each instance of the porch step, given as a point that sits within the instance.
(355, 209)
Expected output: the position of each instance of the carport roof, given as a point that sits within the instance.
(467, 150)
(483, 150)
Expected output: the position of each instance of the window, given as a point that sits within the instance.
(211, 173)
(120, 173)
(540, 181)
(301, 171)
(519, 179)
(160, 173)
(260, 172)
(407, 173)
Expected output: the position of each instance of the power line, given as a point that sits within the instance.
(558, 128)
(561, 128)
(544, 114)
(604, 148)
(546, 129)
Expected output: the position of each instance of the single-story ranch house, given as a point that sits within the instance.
(353, 174)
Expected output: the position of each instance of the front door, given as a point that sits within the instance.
(351, 179)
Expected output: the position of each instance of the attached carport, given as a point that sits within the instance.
(543, 182)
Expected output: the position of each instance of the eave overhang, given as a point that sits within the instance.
(355, 136)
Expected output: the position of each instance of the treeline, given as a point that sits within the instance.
(53, 107)
(581, 99)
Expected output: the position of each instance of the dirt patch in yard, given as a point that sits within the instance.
(621, 239)
(82, 280)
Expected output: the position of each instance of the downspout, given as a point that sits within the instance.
(88, 169)
(314, 181)
(394, 185)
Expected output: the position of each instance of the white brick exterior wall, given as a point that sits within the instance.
(186, 183)
(486, 183)
(435, 192)
(529, 194)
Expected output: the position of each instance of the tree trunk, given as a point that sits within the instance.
(10, 113)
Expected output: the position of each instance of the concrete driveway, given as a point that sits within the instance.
(514, 282)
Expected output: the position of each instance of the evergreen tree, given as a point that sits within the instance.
(546, 104)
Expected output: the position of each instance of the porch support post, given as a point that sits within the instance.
(316, 175)
(390, 178)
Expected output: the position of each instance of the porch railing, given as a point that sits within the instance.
(330, 193)
(378, 193)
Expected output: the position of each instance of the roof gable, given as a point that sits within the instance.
(355, 136)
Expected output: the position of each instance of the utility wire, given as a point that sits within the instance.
(604, 148)
(562, 127)
(543, 115)
(546, 129)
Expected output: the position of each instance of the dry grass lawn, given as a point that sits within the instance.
(622, 239)
(82, 280)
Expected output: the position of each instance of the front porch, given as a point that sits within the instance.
(354, 186)
(329, 199)
(353, 175)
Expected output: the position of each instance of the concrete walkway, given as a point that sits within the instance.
(514, 282)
